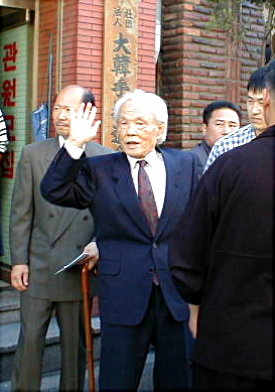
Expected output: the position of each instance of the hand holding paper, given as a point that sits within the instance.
(77, 261)
(90, 255)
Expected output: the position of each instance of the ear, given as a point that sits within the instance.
(204, 128)
(266, 98)
(160, 129)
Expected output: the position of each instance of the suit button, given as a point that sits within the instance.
(85, 218)
(51, 215)
(155, 245)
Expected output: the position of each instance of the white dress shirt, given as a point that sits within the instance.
(155, 170)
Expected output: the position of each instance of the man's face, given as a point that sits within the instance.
(138, 129)
(255, 109)
(68, 98)
(221, 122)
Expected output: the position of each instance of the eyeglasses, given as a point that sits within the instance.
(138, 126)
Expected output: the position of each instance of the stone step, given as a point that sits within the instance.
(8, 340)
(9, 305)
(50, 381)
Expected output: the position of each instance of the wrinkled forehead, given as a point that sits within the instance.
(136, 108)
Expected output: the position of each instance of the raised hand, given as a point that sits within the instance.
(83, 127)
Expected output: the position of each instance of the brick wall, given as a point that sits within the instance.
(251, 48)
(146, 46)
(200, 65)
(82, 46)
(47, 28)
(69, 40)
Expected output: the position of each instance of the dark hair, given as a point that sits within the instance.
(257, 79)
(88, 96)
(209, 109)
(270, 65)
(270, 79)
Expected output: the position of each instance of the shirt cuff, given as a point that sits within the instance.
(74, 151)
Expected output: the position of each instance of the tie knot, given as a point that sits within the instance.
(142, 163)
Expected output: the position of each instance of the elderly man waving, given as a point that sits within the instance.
(136, 197)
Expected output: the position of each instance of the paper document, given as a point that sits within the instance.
(76, 261)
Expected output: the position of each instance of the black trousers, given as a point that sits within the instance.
(205, 378)
(124, 350)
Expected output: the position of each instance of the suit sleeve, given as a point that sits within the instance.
(21, 217)
(191, 244)
(69, 182)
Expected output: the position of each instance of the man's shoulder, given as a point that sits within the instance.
(236, 156)
(109, 156)
(94, 149)
(199, 151)
(198, 147)
(177, 152)
(42, 145)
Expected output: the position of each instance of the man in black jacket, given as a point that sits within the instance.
(222, 261)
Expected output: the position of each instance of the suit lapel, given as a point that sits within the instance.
(172, 193)
(126, 193)
(51, 150)
(64, 216)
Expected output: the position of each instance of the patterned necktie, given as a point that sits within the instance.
(146, 197)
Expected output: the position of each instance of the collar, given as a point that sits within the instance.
(206, 147)
(61, 141)
(152, 158)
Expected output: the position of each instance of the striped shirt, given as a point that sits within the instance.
(3, 134)
(234, 139)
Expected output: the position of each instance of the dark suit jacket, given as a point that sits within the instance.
(45, 236)
(223, 258)
(201, 151)
(128, 251)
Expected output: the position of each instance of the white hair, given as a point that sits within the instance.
(154, 102)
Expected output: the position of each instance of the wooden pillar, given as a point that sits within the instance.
(119, 59)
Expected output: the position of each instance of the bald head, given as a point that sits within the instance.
(70, 97)
(85, 94)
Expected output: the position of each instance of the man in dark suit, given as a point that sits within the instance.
(222, 260)
(219, 119)
(43, 238)
(137, 197)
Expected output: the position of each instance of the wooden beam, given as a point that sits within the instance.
(119, 59)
